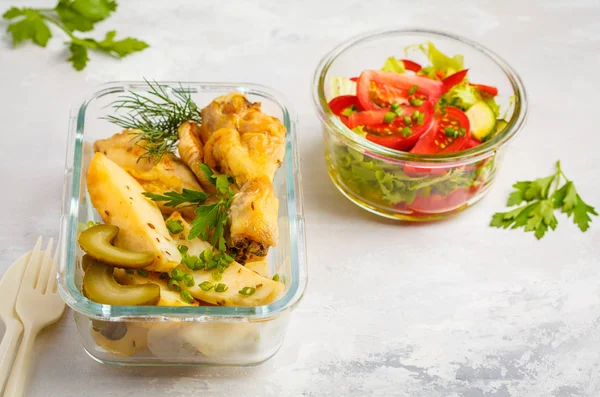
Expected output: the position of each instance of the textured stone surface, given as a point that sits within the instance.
(447, 309)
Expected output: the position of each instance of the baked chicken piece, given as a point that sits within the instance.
(168, 174)
(238, 139)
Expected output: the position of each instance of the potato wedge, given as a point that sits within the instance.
(259, 265)
(235, 277)
(118, 198)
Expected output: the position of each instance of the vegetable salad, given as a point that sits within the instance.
(431, 109)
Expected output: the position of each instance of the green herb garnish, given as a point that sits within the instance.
(142, 272)
(174, 285)
(71, 16)
(389, 117)
(174, 226)
(186, 296)
(188, 279)
(206, 286)
(176, 200)
(276, 277)
(157, 115)
(542, 196)
(221, 287)
(247, 291)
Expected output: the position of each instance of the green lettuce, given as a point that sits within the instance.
(440, 61)
(393, 65)
(388, 184)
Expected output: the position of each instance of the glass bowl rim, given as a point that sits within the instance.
(69, 219)
(482, 151)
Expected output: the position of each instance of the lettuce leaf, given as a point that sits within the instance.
(393, 65)
(440, 61)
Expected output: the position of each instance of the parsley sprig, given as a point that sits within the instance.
(209, 223)
(71, 16)
(177, 200)
(542, 196)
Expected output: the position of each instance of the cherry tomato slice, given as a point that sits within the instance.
(410, 65)
(377, 89)
(338, 104)
(437, 203)
(355, 79)
(486, 89)
(453, 80)
(437, 141)
(391, 134)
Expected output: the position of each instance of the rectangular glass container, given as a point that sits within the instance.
(180, 335)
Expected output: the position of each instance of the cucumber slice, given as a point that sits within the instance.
(482, 120)
(500, 126)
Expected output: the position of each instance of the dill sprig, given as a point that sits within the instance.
(157, 115)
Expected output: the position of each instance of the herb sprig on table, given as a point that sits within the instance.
(71, 16)
(542, 196)
(209, 224)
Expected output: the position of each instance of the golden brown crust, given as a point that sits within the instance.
(168, 174)
(191, 151)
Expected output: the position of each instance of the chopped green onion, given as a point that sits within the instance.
(211, 265)
(395, 106)
(406, 131)
(129, 271)
(188, 279)
(143, 272)
(462, 131)
(416, 101)
(177, 274)
(413, 89)
(276, 277)
(91, 224)
(407, 120)
(174, 285)
(174, 226)
(449, 131)
(183, 249)
(206, 286)
(207, 255)
(192, 262)
(247, 291)
(421, 118)
(164, 276)
(221, 287)
(415, 115)
(349, 110)
(186, 297)
(389, 117)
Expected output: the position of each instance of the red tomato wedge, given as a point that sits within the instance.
(367, 117)
(486, 89)
(436, 141)
(376, 89)
(453, 80)
(391, 134)
(437, 203)
(338, 104)
(355, 79)
(410, 65)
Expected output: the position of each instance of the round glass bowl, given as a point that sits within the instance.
(401, 185)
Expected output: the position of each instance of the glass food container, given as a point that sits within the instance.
(402, 185)
(184, 335)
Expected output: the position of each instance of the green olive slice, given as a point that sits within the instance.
(100, 286)
(97, 242)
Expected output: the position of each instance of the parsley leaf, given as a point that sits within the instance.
(176, 199)
(79, 56)
(30, 26)
(71, 16)
(538, 215)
